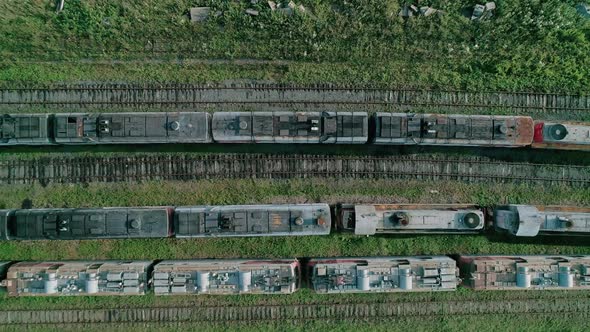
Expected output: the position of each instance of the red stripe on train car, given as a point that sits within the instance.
(538, 137)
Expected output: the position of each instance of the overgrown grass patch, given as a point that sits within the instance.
(527, 45)
(252, 191)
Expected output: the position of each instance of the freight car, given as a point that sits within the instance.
(562, 135)
(78, 278)
(159, 222)
(132, 128)
(459, 130)
(292, 127)
(252, 220)
(525, 272)
(525, 220)
(173, 277)
(25, 129)
(78, 224)
(105, 128)
(283, 276)
(383, 274)
(3, 268)
(408, 218)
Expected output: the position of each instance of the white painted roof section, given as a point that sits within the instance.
(366, 220)
(530, 220)
(576, 134)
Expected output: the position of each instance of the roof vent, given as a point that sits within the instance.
(471, 220)
(557, 132)
(174, 125)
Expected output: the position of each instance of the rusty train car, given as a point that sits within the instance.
(286, 276)
(453, 130)
(174, 277)
(220, 277)
(290, 220)
(77, 278)
(292, 127)
(382, 274)
(365, 219)
(525, 272)
(566, 135)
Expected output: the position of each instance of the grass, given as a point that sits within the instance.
(528, 45)
(244, 191)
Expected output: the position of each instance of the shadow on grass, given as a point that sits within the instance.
(502, 154)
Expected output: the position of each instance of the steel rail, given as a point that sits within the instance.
(296, 312)
(262, 166)
(404, 97)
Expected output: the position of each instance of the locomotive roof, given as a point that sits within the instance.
(88, 223)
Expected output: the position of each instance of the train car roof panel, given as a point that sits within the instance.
(88, 223)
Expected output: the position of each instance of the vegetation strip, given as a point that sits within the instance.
(539, 45)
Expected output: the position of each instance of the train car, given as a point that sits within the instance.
(562, 135)
(78, 278)
(526, 220)
(525, 272)
(25, 129)
(79, 224)
(410, 218)
(453, 130)
(253, 220)
(175, 277)
(383, 274)
(291, 127)
(132, 128)
(3, 269)
(4, 215)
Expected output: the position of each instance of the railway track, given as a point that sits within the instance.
(263, 166)
(295, 312)
(277, 96)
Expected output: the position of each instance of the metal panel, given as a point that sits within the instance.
(25, 129)
(453, 130)
(78, 278)
(256, 220)
(36, 224)
(524, 272)
(132, 128)
(382, 274)
(279, 276)
(417, 218)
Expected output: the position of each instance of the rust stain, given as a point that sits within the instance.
(382, 207)
(561, 208)
(561, 146)
(276, 219)
(80, 127)
(526, 130)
